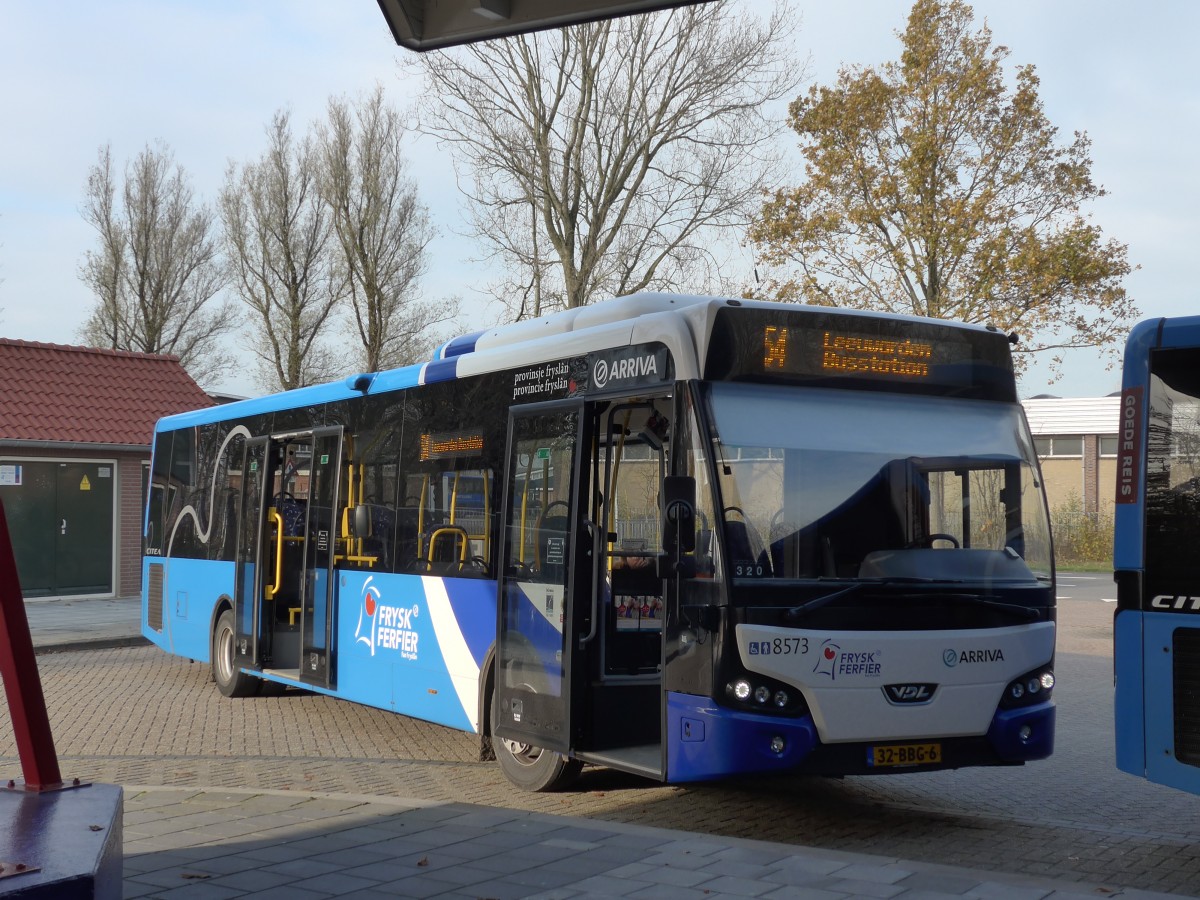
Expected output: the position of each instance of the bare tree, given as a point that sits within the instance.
(157, 269)
(382, 228)
(279, 250)
(603, 157)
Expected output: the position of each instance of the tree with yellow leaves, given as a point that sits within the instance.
(933, 189)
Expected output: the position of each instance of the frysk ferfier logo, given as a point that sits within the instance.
(382, 626)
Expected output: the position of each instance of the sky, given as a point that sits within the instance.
(206, 76)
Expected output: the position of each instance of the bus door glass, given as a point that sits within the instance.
(534, 646)
(320, 542)
(634, 462)
(249, 574)
(284, 579)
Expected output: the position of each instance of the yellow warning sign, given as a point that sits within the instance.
(85, 485)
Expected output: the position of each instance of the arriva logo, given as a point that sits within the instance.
(382, 626)
(952, 657)
(623, 369)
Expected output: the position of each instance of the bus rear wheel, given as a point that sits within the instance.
(534, 768)
(230, 681)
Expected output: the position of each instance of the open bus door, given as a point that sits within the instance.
(533, 702)
(579, 647)
(248, 610)
(285, 586)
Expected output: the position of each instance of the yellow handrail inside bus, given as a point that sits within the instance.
(525, 506)
(272, 589)
(484, 536)
(460, 535)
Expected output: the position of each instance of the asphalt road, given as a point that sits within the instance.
(135, 716)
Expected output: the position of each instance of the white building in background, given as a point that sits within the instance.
(1076, 440)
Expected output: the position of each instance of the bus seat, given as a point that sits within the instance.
(449, 548)
(737, 541)
(381, 541)
(293, 512)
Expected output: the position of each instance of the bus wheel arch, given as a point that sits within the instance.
(487, 690)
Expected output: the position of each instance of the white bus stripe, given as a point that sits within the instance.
(460, 664)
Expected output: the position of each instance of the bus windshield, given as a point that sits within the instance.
(820, 484)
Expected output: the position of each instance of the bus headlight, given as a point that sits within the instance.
(1032, 687)
(740, 689)
(764, 695)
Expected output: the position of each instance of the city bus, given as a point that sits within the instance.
(680, 537)
(1156, 628)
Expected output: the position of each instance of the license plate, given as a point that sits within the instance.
(904, 754)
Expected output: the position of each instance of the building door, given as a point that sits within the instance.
(60, 515)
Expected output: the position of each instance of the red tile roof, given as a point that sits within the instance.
(49, 392)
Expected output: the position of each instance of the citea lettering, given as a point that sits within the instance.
(1180, 603)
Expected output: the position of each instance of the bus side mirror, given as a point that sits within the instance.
(679, 522)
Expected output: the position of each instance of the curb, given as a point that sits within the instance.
(93, 644)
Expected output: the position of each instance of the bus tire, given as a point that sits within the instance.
(230, 681)
(533, 768)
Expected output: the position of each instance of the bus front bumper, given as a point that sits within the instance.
(706, 741)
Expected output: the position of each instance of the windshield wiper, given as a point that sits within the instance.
(817, 602)
(1012, 609)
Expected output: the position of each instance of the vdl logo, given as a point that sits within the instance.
(898, 694)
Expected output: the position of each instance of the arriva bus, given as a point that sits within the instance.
(680, 537)
(1156, 555)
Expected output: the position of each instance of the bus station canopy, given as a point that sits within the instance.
(434, 24)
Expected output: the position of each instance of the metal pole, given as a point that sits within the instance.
(22, 685)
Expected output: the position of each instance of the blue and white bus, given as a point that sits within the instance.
(1156, 555)
(677, 536)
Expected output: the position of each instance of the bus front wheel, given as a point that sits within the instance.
(230, 681)
(533, 768)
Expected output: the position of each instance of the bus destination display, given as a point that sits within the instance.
(845, 353)
(813, 346)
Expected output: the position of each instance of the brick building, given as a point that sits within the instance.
(75, 430)
(1076, 441)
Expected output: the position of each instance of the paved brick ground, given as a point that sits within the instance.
(213, 844)
(133, 716)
